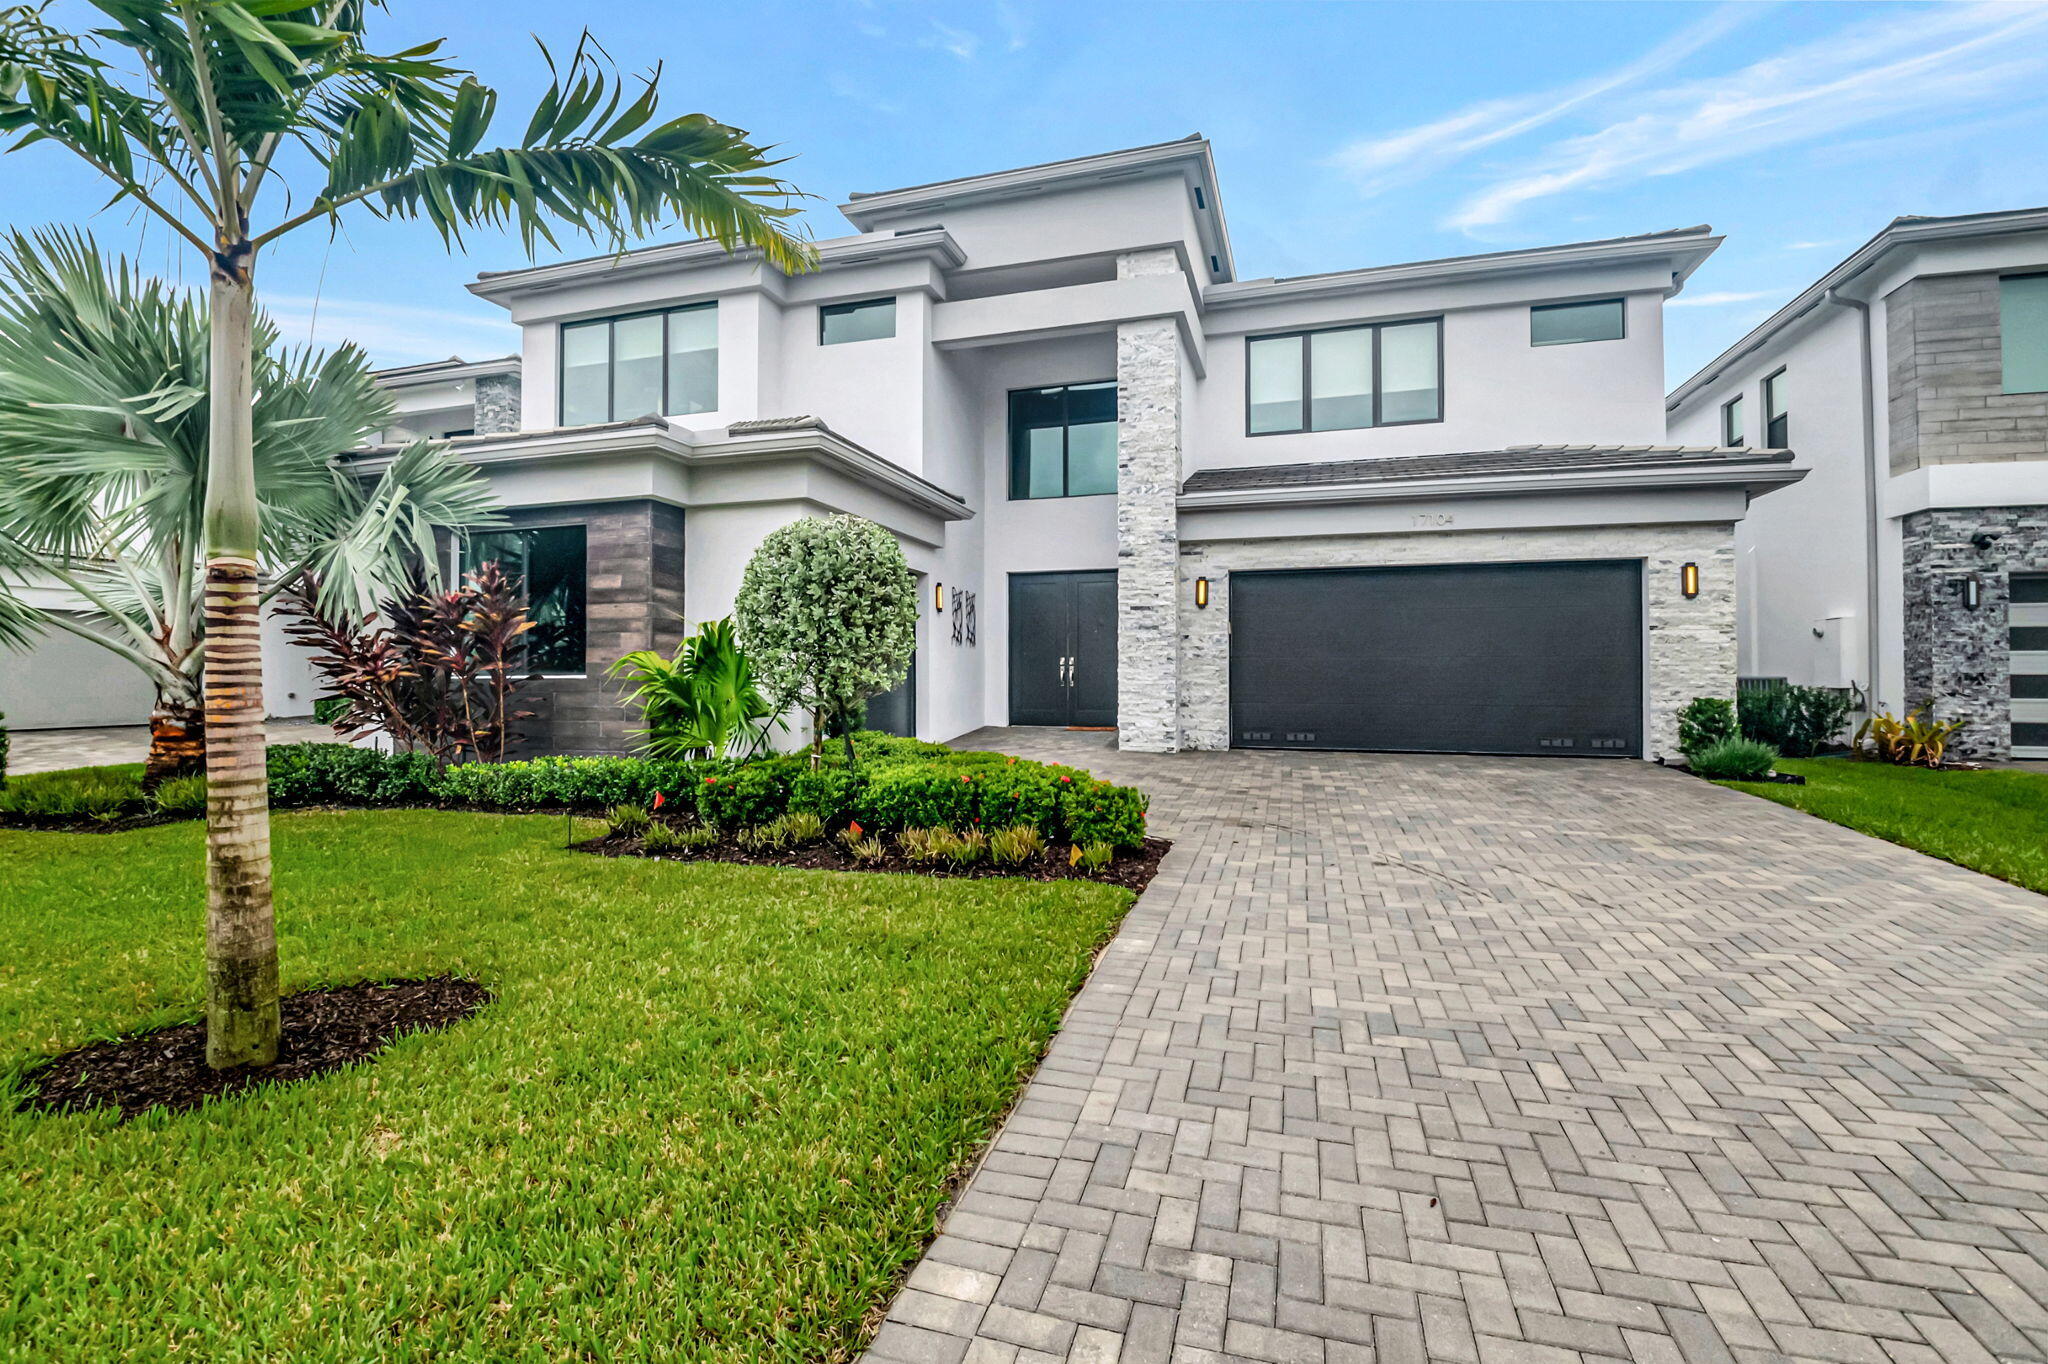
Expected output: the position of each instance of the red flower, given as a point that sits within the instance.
(1065, 780)
(967, 779)
(854, 826)
(711, 781)
(658, 799)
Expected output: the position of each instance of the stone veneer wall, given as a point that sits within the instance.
(1148, 379)
(1691, 644)
(635, 566)
(1959, 661)
(497, 404)
(1946, 375)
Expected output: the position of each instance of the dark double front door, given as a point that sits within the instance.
(1063, 648)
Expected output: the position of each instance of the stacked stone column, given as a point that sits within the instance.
(1148, 378)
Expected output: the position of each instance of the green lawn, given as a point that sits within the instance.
(710, 1115)
(1994, 821)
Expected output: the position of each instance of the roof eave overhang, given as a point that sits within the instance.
(1893, 237)
(420, 377)
(1757, 478)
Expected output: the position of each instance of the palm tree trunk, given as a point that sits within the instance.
(241, 934)
(177, 740)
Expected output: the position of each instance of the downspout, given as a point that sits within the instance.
(1873, 650)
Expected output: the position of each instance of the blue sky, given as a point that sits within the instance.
(1346, 134)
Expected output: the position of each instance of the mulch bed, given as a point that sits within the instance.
(323, 1031)
(86, 824)
(1132, 870)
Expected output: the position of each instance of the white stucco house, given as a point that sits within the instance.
(1912, 380)
(1429, 506)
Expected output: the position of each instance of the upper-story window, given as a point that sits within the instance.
(2023, 332)
(1063, 441)
(1777, 417)
(872, 319)
(616, 368)
(1565, 324)
(1385, 374)
(550, 567)
(1732, 431)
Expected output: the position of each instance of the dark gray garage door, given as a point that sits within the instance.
(1542, 659)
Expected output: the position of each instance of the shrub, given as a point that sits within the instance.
(628, 819)
(1734, 760)
(703, 703)
(1704, 721)
(85, 793)
(695, 838)
(180, 795)
(827, 793)
(922, 845)
(962, 848)
(1015, 846)
(1092, 856)
(752, 794)
(658, 837)
(1912, 742)
(763, 838)
(1798, 721)
(916, 795)
(1103, 812)
(576, 783)
(866, 851)
(802, 828)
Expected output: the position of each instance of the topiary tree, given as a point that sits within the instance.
(827, 612)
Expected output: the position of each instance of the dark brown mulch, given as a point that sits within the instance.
(323, 1031)
(1132, 870)
(86, 824)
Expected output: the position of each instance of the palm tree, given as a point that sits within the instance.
(227, 96)
(103, 430)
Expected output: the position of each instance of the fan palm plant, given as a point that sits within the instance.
(103, 467)
(207, 105)
(703, 703)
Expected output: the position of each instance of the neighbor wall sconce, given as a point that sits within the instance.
(1689, 581)
(1973, 592)
(1201, 592)
(939, 597)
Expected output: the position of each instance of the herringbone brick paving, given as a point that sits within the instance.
(1505, 1061)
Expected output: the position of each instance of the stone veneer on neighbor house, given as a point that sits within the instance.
(1959, 661)
(1148, 382)
(497, 404)
(1947, 378)
(635, 601)
(1689, 647)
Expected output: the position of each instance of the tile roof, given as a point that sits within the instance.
(1518, 459)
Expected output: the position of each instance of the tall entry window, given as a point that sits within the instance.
(551, 569)
(1063, 441)
(1387, 374)
(616, 368)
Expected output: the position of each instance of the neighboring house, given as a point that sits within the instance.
(1419, 506)
(1912, 379)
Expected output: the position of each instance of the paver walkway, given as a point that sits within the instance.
(51, 750)
(1512, 1062)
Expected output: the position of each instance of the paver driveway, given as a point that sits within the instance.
(1516, 1060)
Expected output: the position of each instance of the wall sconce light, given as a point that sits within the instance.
(1973, 592)
(1202, 592)
(1689, 581)
(939, 597)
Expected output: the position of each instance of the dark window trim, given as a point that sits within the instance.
(1066, 437)
(1307, 427)
(458, 547)
(611, 370)
(1620, 303)
(1730, 437)
(1764, 393)
(851, 305)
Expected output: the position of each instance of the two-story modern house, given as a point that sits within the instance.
(1412, 507)
(1912, 379)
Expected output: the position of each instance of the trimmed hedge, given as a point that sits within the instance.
(899, 784)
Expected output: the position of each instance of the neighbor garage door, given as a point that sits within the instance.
(1542, 659)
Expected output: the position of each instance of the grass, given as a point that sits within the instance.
(87, 792)
(1995, 821)
(710, 1115)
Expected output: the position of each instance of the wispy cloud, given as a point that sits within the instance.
(392, 333)
(947, 38)
(1379, 163)
(1818, 246)
(1914, 63)
(1721, 299)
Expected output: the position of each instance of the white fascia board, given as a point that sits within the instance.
(1684, 252)
(2019, 483)
(416, 376)
(1754, 479)
(1842, 279)
(934, 244)
(695, 452)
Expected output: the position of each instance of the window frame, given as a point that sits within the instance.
(1307, 428)
(1767, 391)
(611, 363)
(2002, 371)
(459, 554)
(1620, 307)
(1732, 439)
(852, 305)
(1066, 437)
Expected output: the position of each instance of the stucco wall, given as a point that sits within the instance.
(1690, 645)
